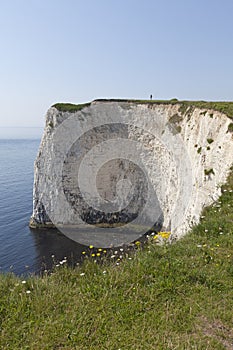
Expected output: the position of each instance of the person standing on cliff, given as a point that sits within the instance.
(151, 97)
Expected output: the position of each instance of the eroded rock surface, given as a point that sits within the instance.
(103, 164)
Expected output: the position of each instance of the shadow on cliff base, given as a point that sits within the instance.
(51, 242)
(52, 247)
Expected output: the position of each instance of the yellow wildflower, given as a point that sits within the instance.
(165, 234)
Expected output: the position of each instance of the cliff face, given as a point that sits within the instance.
(140, 164)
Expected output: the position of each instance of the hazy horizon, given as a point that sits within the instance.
(12, 133)
(79, 51)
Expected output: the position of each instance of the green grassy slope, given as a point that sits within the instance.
(70, 107)
(177, 296)
(224, 107)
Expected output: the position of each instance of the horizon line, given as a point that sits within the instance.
(18, 127)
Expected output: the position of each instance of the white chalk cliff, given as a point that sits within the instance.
(93, 165)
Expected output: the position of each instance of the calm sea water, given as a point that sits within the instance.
(23, 250)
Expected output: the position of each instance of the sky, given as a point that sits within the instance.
(76, 51)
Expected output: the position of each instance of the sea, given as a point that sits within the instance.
(25, 251)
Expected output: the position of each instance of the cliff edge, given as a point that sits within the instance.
(111, 163)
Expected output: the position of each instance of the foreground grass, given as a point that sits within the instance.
(176, 296)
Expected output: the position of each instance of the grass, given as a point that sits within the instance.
(224, 107)
(175, 296)
(70, 107)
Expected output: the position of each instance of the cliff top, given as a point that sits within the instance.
(224, 107)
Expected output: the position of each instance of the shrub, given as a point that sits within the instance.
(209, 171)
(210, 141)
(230, 127)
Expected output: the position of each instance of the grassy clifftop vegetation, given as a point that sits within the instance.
(70, 107)
(177, 296)
(224, 107)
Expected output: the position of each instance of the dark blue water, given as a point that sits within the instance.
(23, 250)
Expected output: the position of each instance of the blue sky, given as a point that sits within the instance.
(76, 51)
